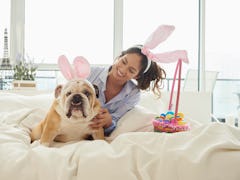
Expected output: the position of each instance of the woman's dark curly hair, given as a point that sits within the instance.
(153, 78)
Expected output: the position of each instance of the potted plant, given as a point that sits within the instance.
(24, 73)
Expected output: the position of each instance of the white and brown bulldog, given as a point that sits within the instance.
(71, 113)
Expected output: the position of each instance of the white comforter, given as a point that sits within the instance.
(208, 152)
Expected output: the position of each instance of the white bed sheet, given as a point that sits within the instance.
(210, 151)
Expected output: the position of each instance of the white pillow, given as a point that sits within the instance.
(139, 119)
(12, 102)
(153, 103)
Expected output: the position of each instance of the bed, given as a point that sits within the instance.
(132, 152)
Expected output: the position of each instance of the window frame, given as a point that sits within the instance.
(17, 38)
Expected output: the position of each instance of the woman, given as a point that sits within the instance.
(118, 92)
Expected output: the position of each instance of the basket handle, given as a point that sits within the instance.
(177, 70)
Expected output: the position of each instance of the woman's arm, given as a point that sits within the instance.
(108, 119)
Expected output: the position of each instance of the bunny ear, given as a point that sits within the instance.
(65, 67)
(158, 36)
(82, 67)
(169, 57)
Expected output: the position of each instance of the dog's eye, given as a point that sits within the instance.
(87, 93)
(68, 93)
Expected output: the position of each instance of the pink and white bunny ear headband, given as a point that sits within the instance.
(157, 37)
(80, 69)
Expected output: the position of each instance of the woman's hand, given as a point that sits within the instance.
(102, 119)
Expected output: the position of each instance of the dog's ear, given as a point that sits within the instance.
(96, 90)
(58, 90)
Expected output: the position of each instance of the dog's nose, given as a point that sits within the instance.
(76, 99)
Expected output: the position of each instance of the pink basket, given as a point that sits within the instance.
(161, 126)
(172, 123)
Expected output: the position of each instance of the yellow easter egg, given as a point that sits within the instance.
(169, 116)
(180, 114)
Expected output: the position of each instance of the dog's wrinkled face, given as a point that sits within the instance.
(77, 98)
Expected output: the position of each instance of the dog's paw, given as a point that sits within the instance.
(35, 143)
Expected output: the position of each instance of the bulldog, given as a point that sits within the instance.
(68, 118)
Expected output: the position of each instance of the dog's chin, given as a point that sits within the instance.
(75, 111)
(77, 114)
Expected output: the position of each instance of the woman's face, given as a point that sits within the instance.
(126, 67)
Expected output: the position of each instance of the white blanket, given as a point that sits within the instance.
(207, 152)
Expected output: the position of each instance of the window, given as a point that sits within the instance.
(222, 37)
(4, 43)
(4, 23)
(70, 27)
(222, 52)
(142, 17)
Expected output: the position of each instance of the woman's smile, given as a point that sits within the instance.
(120, 73)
